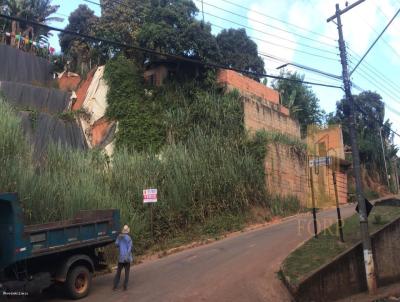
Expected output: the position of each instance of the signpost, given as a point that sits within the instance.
(340, 224)
(320, 161)
(150, 197)
(314, 211)
(316, 162)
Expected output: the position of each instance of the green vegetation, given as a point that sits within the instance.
(207, 182)
(316, 252)
(79, 51)
(300, 99)
(166, 26)
(370, 116)
(39, 11)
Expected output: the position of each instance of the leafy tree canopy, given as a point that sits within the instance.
(301, 100)
(84, 21)
(121, 21)
(369, 115)
(239, 51)
(36, 10)
(171, 27)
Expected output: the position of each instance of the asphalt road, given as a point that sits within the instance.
(240, 268)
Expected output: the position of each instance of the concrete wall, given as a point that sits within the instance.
(386, 247)
(286, 172)
(259, 114)
(345, 275)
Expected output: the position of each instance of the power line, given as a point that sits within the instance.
(378, 121)
(384, 41)
(385, 87)
(273, 43)
(155, 52)
(391, 97)
(269, 34)
(379, 80)
(114, 1)
(268, 25)
(377, 39)
(282, 21)
(373, 69)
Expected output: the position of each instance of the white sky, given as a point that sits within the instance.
(361, 26)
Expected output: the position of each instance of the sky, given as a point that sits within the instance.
(296, 31)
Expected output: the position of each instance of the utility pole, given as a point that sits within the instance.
(366, 240)
(396, 176)
(384, 159)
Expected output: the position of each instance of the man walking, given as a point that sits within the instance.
(124, 244)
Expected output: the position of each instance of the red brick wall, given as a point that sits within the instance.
(247, 85)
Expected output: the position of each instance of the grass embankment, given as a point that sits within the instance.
(318, 251)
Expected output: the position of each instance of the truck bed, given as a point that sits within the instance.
(88, 228)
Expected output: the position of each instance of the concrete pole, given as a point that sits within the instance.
(349, 112)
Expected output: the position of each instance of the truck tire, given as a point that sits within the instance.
(78, 283)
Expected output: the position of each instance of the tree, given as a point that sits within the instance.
(239, 51)
(121, 21)
(300, 99)
(370, 122)
(171, 27)
(34, 10)
(84, 21)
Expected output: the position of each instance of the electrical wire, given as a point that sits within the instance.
(382, 85)
(383, 39)
(155, 52)
(378, 121)
(376, 40)
(279, 45)
(269, 25)
(282, 21)
(269, 34)
(375, 71)
(386, 104)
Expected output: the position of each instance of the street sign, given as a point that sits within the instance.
(320, 161)
(368, 205)
(150, 196)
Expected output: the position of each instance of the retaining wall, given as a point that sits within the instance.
(345, 275)
(25, 96)
(286, 172)
(19, 66)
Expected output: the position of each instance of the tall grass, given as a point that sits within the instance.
(209, 183)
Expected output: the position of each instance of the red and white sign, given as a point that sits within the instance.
(149, 195)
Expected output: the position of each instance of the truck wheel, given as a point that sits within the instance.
(78, 282)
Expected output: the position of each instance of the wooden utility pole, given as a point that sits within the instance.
(366, 240)
(384, 159)
(314, 210)
(340, 224)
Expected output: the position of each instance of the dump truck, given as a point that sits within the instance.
(67, 253)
